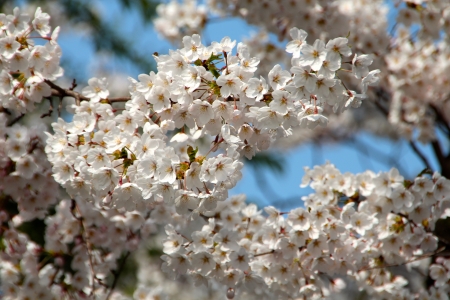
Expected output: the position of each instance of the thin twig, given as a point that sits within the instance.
(61, 92)
(50, 109)
(15, 120)
(119, 99)
(86, 243)
(420, 154)
(441, 118)
(117, 273)
(405, 263)
(264, 253)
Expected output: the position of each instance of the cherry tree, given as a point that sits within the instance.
(155, 165)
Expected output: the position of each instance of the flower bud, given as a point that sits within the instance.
(230, 293)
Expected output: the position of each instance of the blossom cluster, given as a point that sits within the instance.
(24, 66)
(352, 228)
(82, 247)
(415, 94)
(125, 160)
(175, 21)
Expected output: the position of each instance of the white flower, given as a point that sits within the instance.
(338, 47)
(166, 170)
(225, 45)
(323, 86)
(8, 46)
(98, 158)
(360, 65)
(299, 219)
(314, 55)
(441, 190)
(185, 201)
(239, 259)
(311, 116)
(127, 196)
(26, 167)
(192, 46)
(303, 77)
(41, 22)
(202, 111)
(370, 80)
(96, 90)
(201, 241)
(298, 41)
(104, 177)
(278, 77)
(173, 243)
(256, 88)
(203, 262)
(316, 247)
(361, 222)
(230, 85)
(439, 274)
(282, 102)
(159, 97)
(83, 122)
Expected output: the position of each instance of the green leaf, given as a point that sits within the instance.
(192, 153)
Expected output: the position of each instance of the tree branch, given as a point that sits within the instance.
(117, 273)
(420, 155)
(15, 120)
(441, 118)
(61, 92)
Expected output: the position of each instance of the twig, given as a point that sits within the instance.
(119, 99)
(380, 156)
(405, 263)
(264, 253)
(61, 92)
(420, 154)
(441, 118)
(50, 109)
(86, 242)
(15, 120)
(116, 274)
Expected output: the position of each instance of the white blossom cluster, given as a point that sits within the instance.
(361, 20)
(267, 52)
(125, 160)
(25, 173)
(352, 227)
(24, 66)
(82, 247)
(420, 71)
(176, 20)
(415, 65)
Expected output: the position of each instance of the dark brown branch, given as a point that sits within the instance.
(61, 92)
(15, 120)
(119, 99)
(444, 160)
(375, 154)
(50, 109)
(420, 155)
(441, 118)
(264, 253)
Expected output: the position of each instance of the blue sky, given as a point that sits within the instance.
(285, 186)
